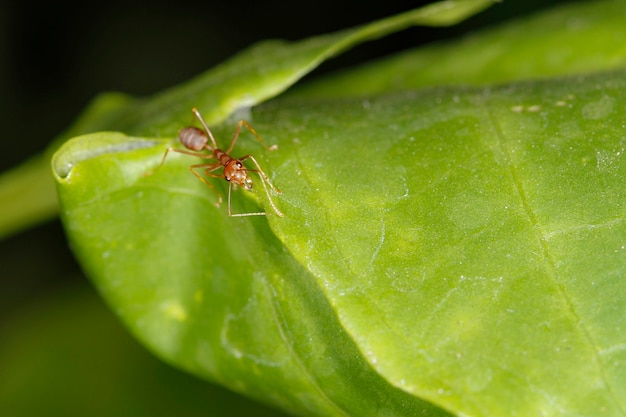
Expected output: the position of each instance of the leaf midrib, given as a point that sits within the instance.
(550, 264)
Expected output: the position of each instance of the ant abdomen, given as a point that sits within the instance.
(193, 138)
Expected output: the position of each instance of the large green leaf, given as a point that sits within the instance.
(471, 245)
(449, 249)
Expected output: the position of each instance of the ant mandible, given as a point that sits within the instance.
(196, 140)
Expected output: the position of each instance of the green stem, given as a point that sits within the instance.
(27, 196)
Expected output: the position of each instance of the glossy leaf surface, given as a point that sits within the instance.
(454, 249)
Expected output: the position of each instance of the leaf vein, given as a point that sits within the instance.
(542, 238)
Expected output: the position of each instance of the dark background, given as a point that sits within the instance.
(56, 56)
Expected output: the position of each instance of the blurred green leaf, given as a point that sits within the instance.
(67, 356)
(460, 247)
(579, 38)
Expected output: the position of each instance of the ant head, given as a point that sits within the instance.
(241, 179)
(237, 173)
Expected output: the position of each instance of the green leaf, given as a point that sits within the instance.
(471, 242)
(207, 293)
(453, 249)
(580, 38)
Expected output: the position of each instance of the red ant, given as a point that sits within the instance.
(196, 140)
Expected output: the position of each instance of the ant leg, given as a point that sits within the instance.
(264, 179)
(269, 197)
(183, 151)
(209, 168)
(230, 214)
(260, 172)
(205, 126)
(251, 129)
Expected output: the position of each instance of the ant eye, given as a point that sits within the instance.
(227, 178)
(239, 164)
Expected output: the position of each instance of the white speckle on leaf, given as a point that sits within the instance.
(372, 357)
(613, 349)
(607, 159)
